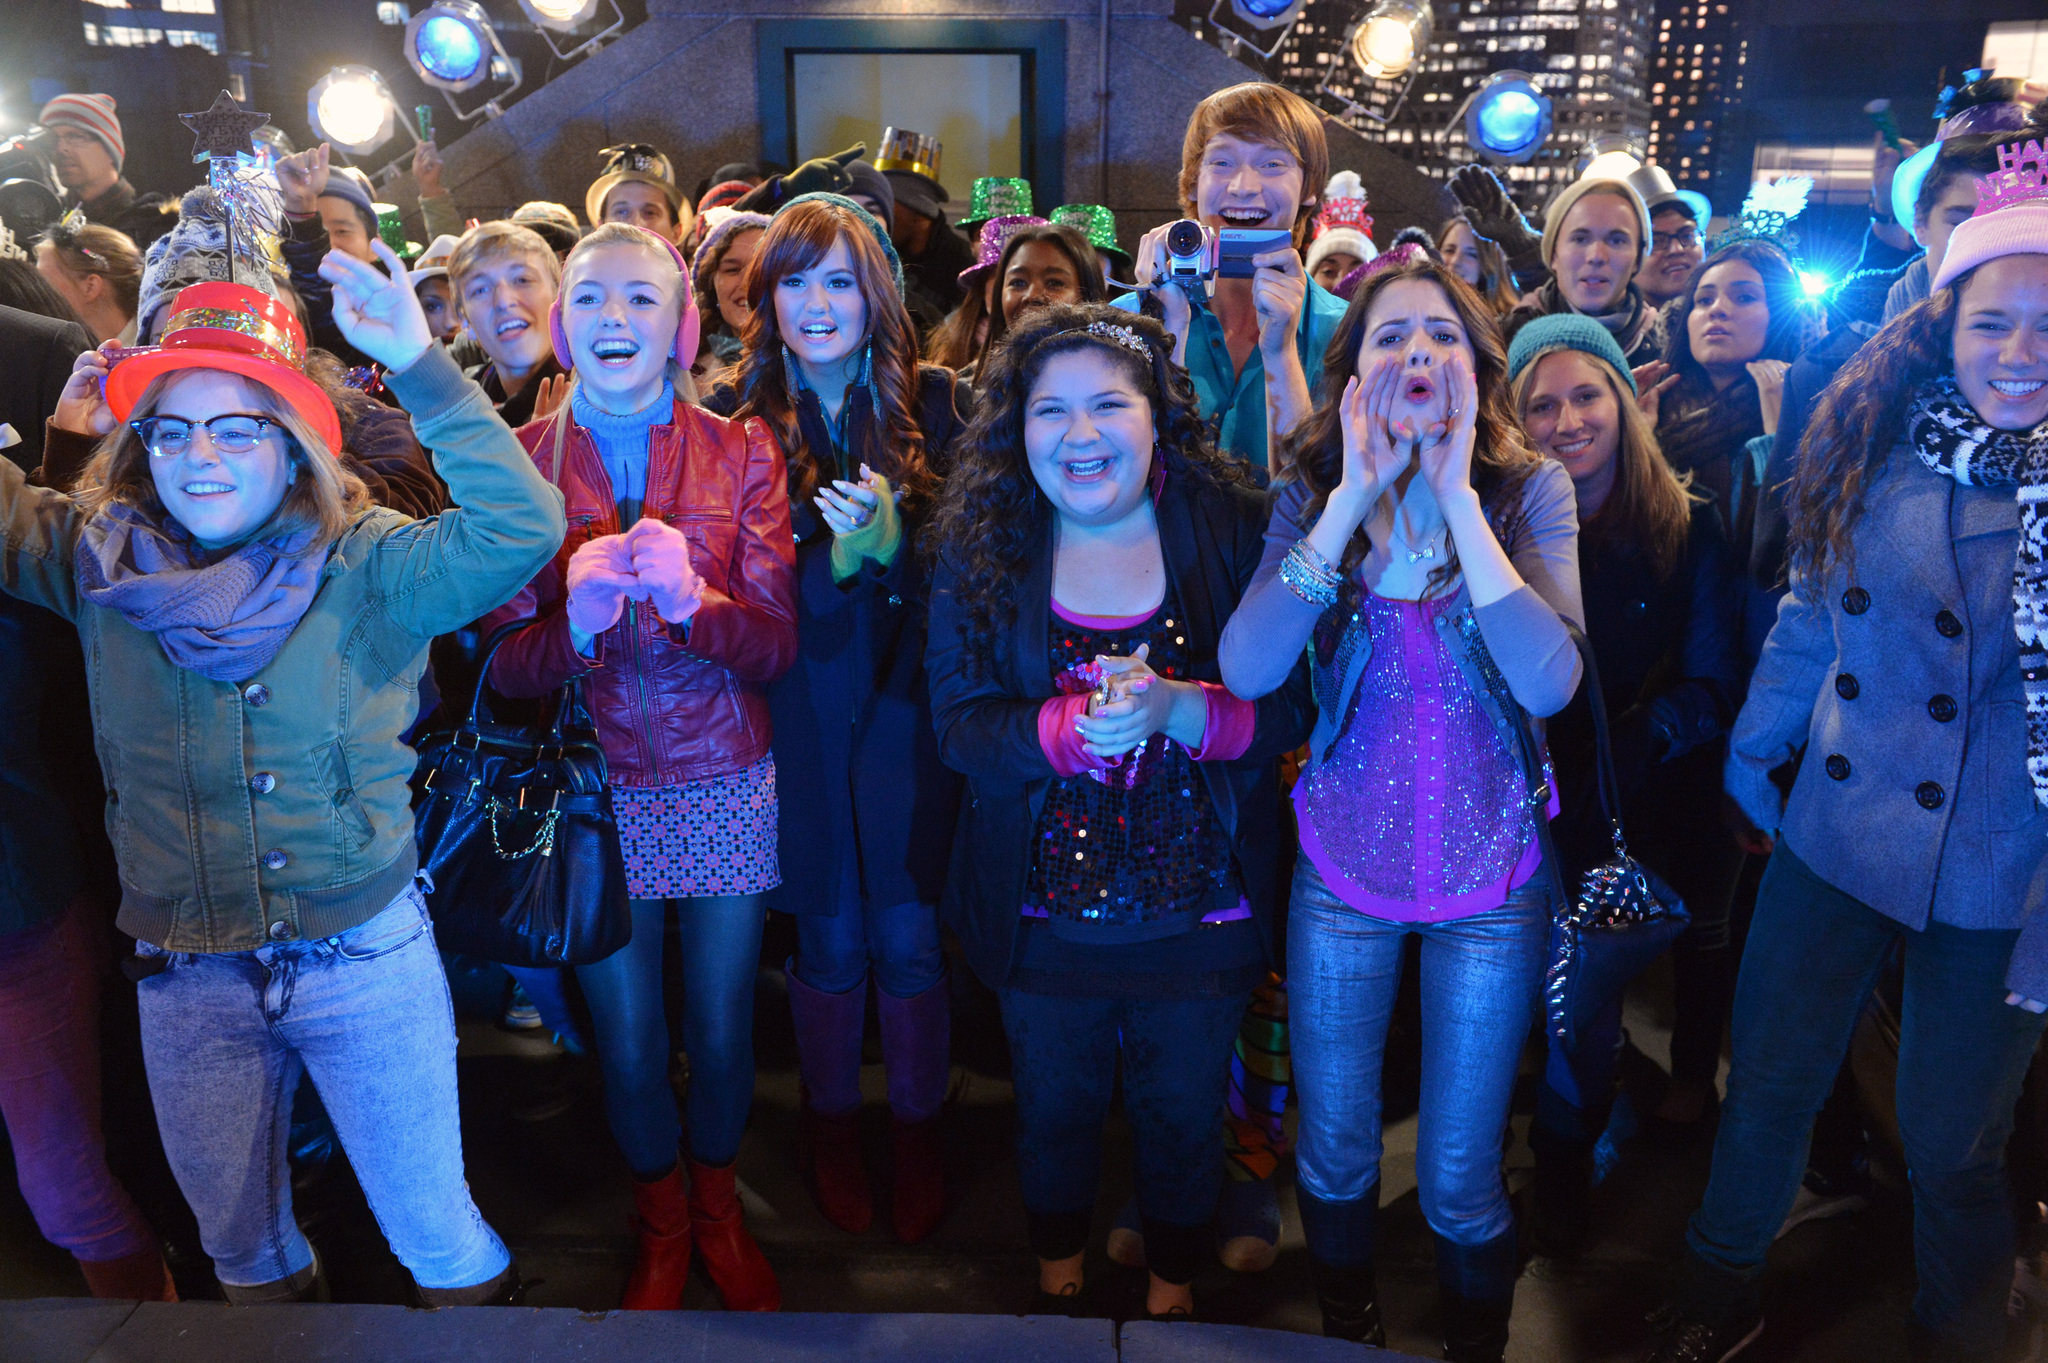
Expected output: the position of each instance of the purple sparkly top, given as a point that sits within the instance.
(1417, 812)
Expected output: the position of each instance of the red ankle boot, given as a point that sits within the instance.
(737, 1267)
(661, 1264)
(830, 1155)
(141, 1276)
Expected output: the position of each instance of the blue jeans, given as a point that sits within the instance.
(901, 942)
(365, 1015)
(1481, 977)
(1813, 955)
(1176, 1066)
(721, 952)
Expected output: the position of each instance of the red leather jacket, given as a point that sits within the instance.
(672, 703)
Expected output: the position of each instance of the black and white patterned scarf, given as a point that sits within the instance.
(1952, 439)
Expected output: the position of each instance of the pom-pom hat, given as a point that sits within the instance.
(689, 327)
(2011, 217)
(1343, 225)
(89, 113)
(234, 328)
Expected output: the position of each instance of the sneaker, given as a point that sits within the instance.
(1127, 1237)
(521, 1013)
(1683, 1338)
(1820, 1198)
(1248, 1225)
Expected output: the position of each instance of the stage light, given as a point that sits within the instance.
(352, 108)
(1507, 118)
(1267, 13)
(561, 15)
(450, 44)
(1814, 283)
(1388, 40)
(1610, 156)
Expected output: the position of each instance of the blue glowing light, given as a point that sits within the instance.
(1814, 283)
(1508, 120)
(449, 48)
(1266, 9)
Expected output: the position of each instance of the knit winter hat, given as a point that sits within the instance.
(346, 182)
(869, 220)
(723, 194)
(871, 182)
(89, 113)
(2011, 217)
(195, 251)
(1566, 331)
(553, 223)
(1554, 216)
(721, 226)
(1342, 225)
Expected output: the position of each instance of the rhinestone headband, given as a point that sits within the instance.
(1127, 337)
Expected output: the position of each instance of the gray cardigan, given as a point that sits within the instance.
(1522, 634)
(1902, 682)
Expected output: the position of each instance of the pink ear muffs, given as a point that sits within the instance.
(688, 331)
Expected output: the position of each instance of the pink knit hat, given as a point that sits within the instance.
(2011, 217)
(93, 114)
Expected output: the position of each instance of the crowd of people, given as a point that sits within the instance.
(1177, 656)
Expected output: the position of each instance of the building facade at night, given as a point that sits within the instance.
(1697, 72)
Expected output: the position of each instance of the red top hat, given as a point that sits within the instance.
(234, 328)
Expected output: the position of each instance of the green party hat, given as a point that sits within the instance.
(1094, 222)
(996, 196)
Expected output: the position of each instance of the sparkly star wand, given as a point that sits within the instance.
(221, 138)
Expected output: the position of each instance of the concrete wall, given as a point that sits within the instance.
(684, 80)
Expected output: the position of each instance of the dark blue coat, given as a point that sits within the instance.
(867, 807)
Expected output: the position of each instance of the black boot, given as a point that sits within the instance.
(1340, 1247)
(1476, 1291)
(1562, 1138)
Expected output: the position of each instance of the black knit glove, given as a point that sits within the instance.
(819, 175)
(1496, 218)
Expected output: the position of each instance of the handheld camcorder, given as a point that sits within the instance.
(1198, 254)
(29, 192)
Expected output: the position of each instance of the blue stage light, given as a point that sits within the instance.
(449, 44)
(1508, 118)
(1814, 283)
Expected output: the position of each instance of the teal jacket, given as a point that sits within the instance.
(279, 809)
(1234, 402)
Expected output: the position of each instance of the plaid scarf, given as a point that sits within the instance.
(1952, 439)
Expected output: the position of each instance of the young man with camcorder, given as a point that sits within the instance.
(1228, 280)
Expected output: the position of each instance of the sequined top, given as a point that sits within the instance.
(1417, 812)
(1134, 853)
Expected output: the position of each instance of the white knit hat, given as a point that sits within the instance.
(1342, 224)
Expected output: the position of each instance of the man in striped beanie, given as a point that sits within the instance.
(87, 158)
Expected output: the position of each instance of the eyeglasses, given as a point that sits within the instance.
(1682, 240)
(167, 437)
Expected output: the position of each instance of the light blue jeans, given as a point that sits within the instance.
(367, 1016)
(1481, 979)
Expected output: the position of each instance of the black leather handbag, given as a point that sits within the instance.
(1624, 915)
(516, 835)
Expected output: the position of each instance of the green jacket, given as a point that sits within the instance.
(278, 809)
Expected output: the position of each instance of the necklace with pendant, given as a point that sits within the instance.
(1427, 551)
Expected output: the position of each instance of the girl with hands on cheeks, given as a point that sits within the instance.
(673, 598)
(1090, 547)
(1426, 559)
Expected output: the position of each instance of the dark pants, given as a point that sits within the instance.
(1176, 1065)
(1812, 957)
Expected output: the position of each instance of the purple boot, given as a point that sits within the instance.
(828, 1038)
(917, 1046)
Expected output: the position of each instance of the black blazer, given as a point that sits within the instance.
(867, 807)
(36, 352)
(1211, 539)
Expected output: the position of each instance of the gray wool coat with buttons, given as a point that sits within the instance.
(1902, 681)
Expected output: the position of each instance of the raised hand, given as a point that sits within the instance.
(1653, 381)
(426, 170)
(1279, 292)
(1446, 446)
(377, 310)
(661, 562)
(546, 398)
(600, 581)
(302, 177)
(1373, 459)
(1770, 389)
(82, 406)
(1492, 211)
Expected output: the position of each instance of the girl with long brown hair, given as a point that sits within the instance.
(1662, 614)
(830, 364)
(1478, 261)
(1907, 663)
(1040, 265)
(1428, 560)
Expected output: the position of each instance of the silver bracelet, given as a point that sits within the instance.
(1309, 576)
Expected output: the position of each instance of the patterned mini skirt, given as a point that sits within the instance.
(700, 838)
